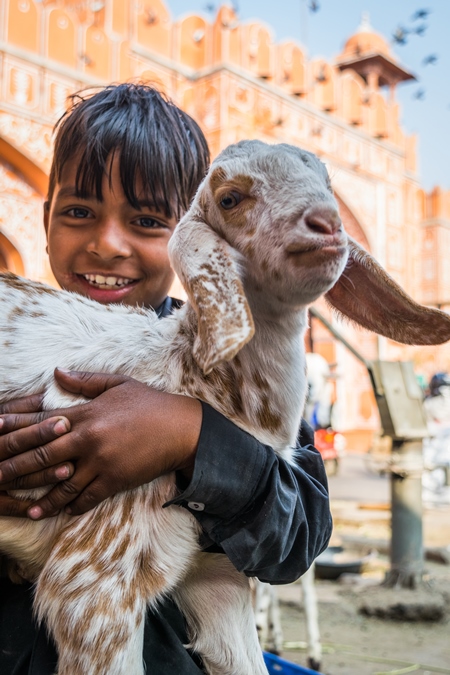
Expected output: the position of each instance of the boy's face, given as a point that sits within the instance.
(108, 251)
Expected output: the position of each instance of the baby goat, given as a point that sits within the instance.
(261, 241)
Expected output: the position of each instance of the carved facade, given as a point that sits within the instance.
(238, 83)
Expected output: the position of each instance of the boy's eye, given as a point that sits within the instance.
(78, 212)
(148, 223)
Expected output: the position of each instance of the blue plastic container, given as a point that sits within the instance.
(277, 666)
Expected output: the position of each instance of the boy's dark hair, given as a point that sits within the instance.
(153, 139)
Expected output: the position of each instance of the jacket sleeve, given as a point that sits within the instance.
(270, 517)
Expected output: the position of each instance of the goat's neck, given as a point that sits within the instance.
(277, 349)
(263, 388)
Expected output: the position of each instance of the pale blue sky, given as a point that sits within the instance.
(325, 32)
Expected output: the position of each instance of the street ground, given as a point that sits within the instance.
(355, 644)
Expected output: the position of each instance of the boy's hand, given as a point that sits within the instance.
(127, 435)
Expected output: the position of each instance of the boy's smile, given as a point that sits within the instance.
(108, 250)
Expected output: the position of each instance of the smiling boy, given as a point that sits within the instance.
(127, 163)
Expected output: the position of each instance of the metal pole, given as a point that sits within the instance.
(407, 553)
(315, 312)
(406, 466)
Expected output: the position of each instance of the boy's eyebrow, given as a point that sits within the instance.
(150, 204)
(71, 191)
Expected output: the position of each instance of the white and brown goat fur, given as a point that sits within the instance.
(261, 241)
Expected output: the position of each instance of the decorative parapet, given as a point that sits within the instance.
(28, 136)
(62, 46)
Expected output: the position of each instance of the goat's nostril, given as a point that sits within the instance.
(323, 221)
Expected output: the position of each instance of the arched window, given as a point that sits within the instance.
(3, 263)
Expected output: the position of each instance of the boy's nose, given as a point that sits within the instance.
(110, 241)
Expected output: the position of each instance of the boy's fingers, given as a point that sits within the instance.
(90, 497)
(58, 497)
(87, 384)
(27, 404)
(13, 421)
(19, 440)
(39, 458)
(13, 507)
(55, 474)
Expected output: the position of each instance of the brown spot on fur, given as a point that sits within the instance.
(148, 580)
(267, 418)
(15, 313)
(27, 287)
(204, 201)
(260, 381)
(217, 178)
(249, 250)
(121, 548)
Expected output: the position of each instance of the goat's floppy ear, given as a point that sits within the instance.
(203, 262)
(367, 295)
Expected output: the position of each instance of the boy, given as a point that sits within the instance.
(126, 165)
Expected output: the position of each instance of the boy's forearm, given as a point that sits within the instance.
(271, 518)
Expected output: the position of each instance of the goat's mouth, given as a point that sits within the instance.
(337, 250)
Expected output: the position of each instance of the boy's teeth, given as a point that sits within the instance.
(107, 282)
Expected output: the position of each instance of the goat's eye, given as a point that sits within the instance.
(231, 200)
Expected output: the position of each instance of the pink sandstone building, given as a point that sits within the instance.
(237, 83)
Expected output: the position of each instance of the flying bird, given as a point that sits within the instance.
(419, 95)
(420, 14)
(431, 59)
(313, 6)
(399, 36)
(420, 30)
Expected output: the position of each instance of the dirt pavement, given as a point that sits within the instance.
(358, 645)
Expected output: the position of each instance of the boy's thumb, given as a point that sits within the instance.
(87, 384)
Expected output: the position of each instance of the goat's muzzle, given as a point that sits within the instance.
(322, 220)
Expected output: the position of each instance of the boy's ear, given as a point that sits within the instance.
(367, 295)
(204, 264)
(46, 215)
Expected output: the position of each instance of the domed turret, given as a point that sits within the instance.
(365, 41)
(369, 54)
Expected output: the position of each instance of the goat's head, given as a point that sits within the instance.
(274, 206)
(266, 215)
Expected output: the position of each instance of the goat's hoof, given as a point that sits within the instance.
(313, 664)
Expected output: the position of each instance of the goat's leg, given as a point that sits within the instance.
(106, 567)
(312, 619)
(216, 601)
(275, 629)
(261, 607)
(267, 617)
(92, 594)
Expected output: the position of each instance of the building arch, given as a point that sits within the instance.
(22, 237)
(10, 258)
(351, 224)
(35, 176)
